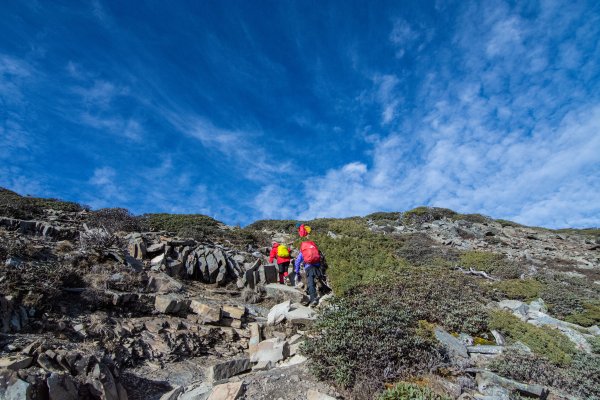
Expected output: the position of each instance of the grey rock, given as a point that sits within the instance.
(227, 369)
(13, 388)
(489, 379)
(210, 313)
(455, 348)
(15, 363)
(278, 312)
(163, 284)
(170, 304)
(271, 350)
(285, 292)
(61, 387)
(485, 349)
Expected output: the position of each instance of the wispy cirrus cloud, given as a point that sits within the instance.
(498, 136)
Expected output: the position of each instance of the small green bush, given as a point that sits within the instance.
(544, 341)
(474, 218)
(285, 225)
(411, 391)
(595, 344)
(568, 297)
(114, 219)
(505, 223)
(581, 378)
(492, 263)
(196, 226)
(390, 217)
(521, 289)
(13, 205)
(421, 215)
(367, 338)
(588, 317)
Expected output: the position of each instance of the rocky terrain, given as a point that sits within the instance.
(105, 305)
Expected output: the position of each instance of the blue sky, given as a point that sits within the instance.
(299, 109)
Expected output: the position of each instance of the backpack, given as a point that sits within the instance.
(282, 251)
(302, 231)
(310, 253)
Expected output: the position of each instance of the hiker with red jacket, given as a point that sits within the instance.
(282, 252)
(310, 256)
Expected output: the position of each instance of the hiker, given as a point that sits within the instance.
(303, 230)
(282, 252)
(309, 256)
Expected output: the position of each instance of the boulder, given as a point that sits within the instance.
(518, 308)
(13, 388)
(284, 292)
(210, 313)
(455, 348)
(164, 284)
(299, 314)
(278, 312)
(235, 312)
(158, 260)
(227, 369)
(15, 363)
(487, 380)
(61, 387)
(170, 304)
(273, 350)
(268, 273)
(295, 360)
(226, 391)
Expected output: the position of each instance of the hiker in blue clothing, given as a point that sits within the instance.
(311, 258)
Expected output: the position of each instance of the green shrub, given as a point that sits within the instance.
(419, 249)
(411, 391)
(356, 259)
(286, 225)
(114, 219)
(421, 215)
(595, 344)
(369, 337)
(492, 263)
(521, 289)
(568, 296)
(543, 341)
(505, 223)
(581, 378)
(475, 218)
(588, 317)
(389, 217)
(13, 205)
(196, 226)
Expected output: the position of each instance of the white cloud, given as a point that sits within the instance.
(515, 135)
(240, 148)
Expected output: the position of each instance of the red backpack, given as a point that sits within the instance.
(310, 253)
(302, 231)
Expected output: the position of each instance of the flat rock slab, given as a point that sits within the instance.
(227, 369)
(170, 304)
(286, 292)
(226, 391)
(15, 363)
(271, 350)
(485, 349)
(210, 313)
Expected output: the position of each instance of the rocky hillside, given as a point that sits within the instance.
(427, 304)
